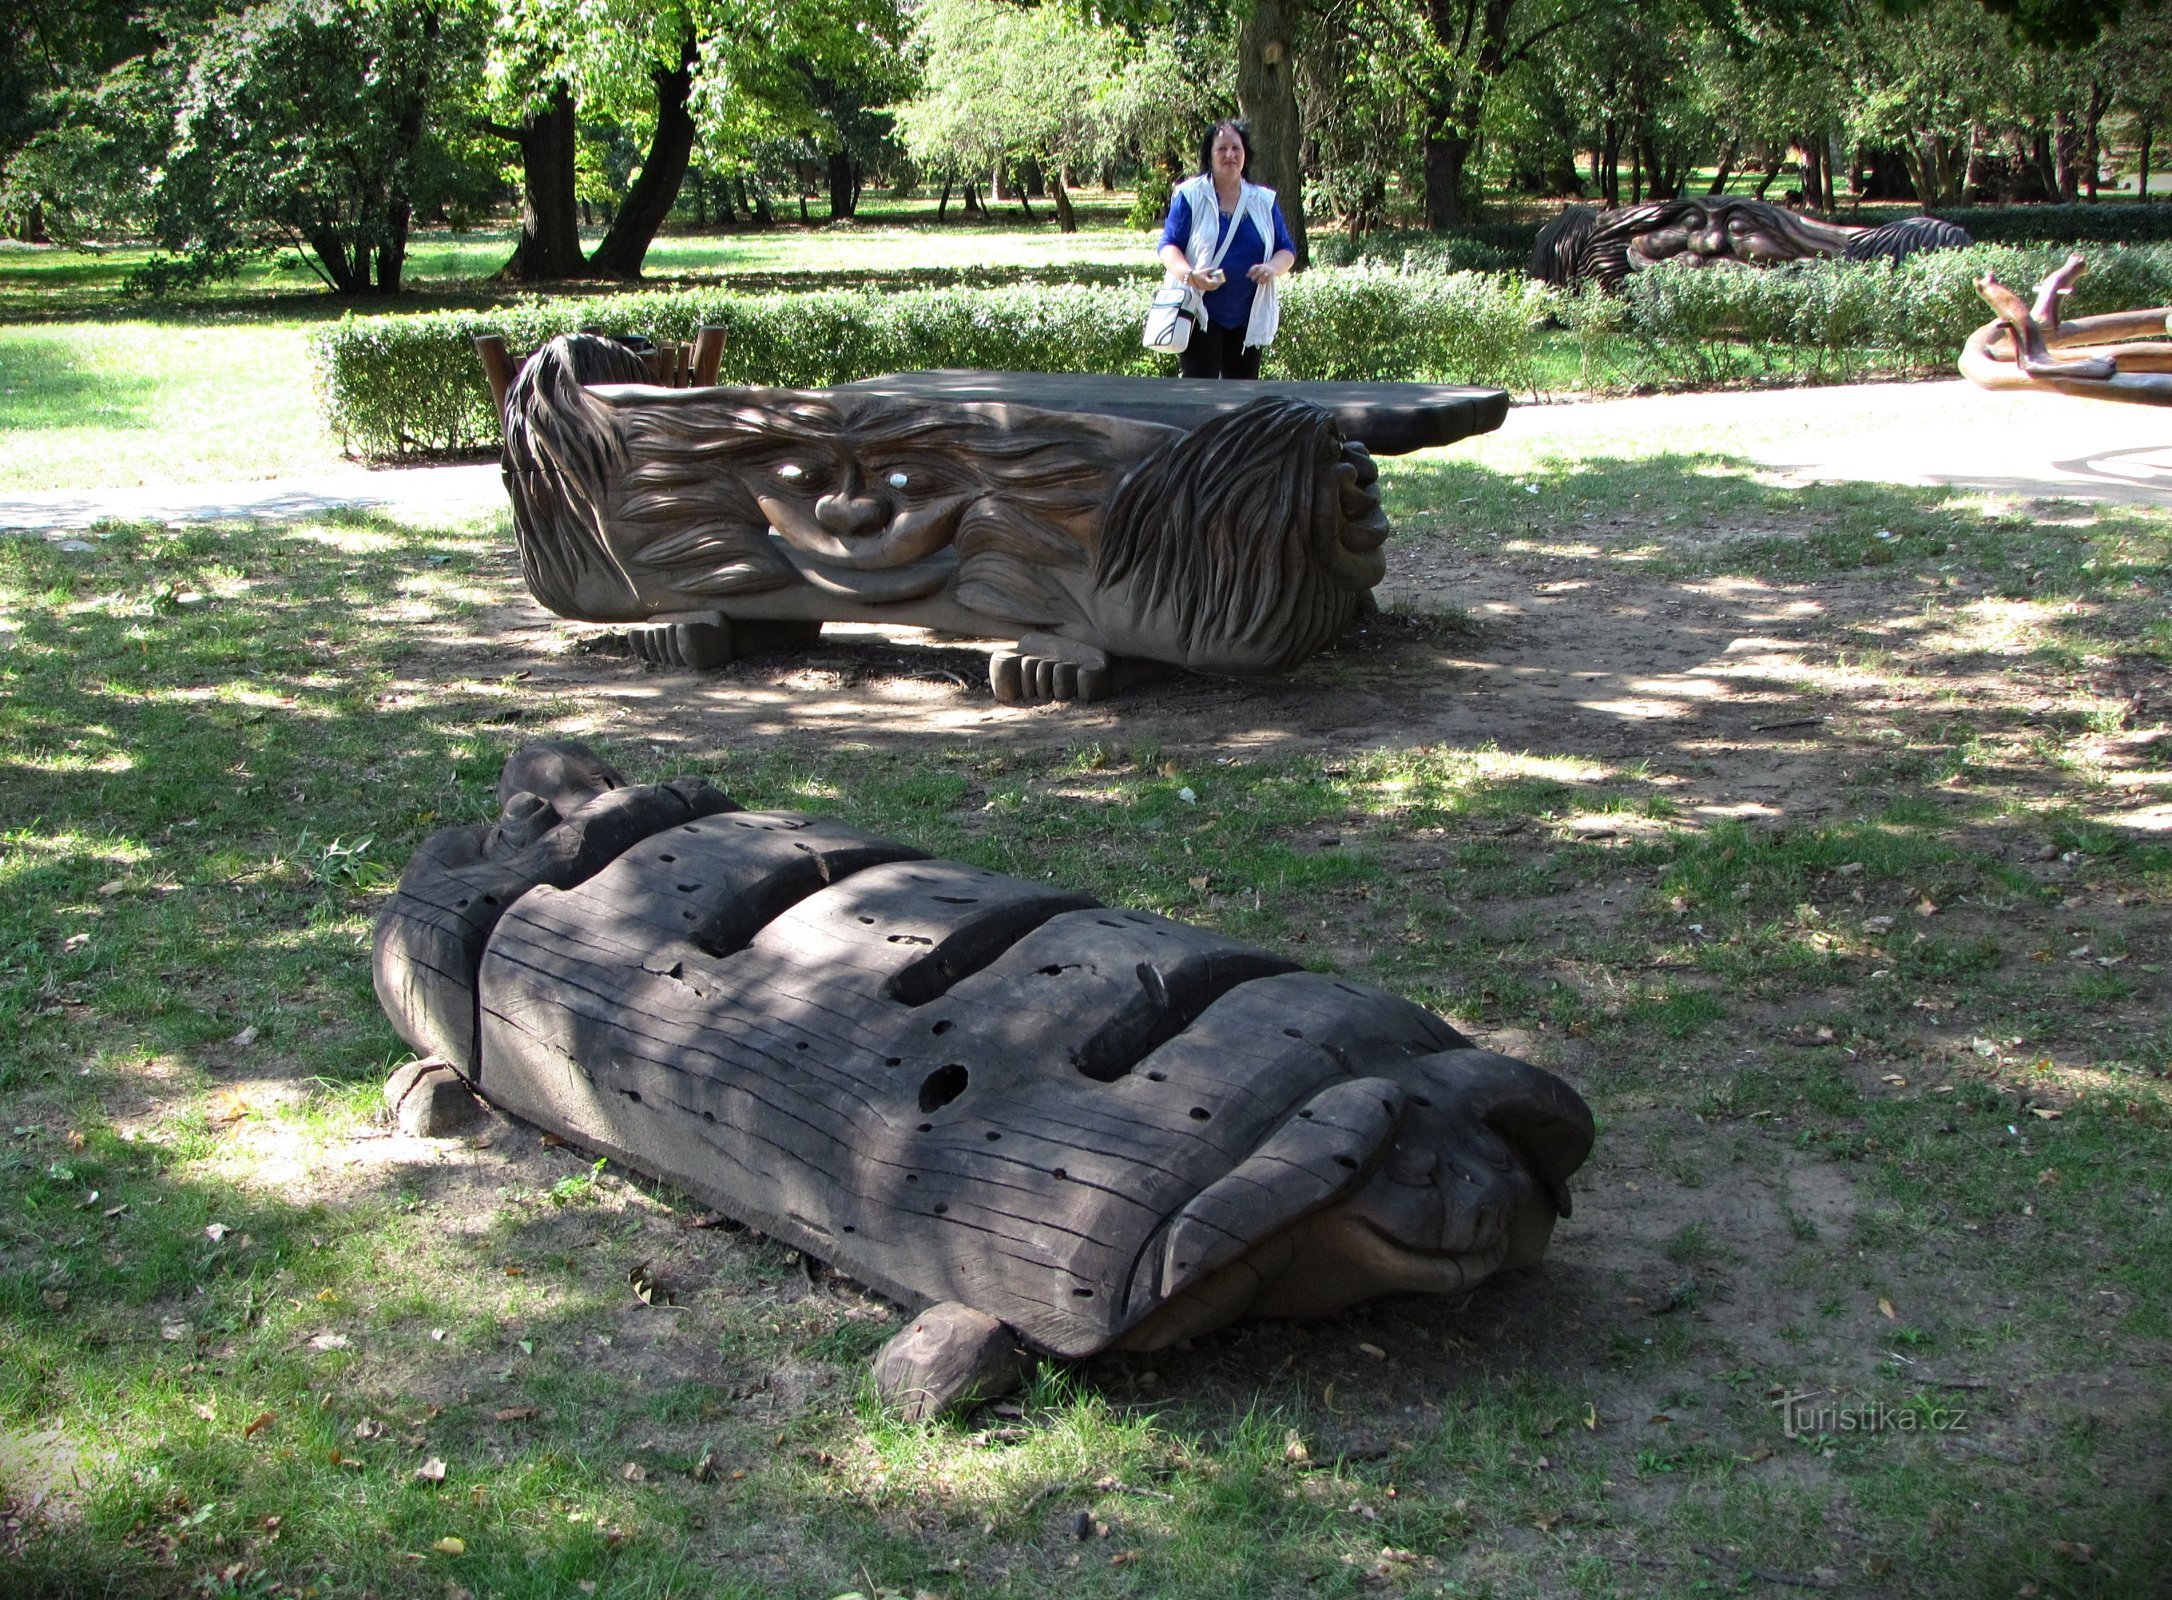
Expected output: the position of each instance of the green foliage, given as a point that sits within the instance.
(1830, 319)
(395, 386)
(2075, 224)
(1370, 322)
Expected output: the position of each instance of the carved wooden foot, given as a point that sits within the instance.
(1047, 667)
(706, 646)
(429, 1100)
(949, 1355)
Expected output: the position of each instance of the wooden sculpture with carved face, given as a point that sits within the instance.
(1242, 546)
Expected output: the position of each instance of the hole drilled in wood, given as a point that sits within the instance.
(689, 888)
(943, 1026)
(954, 899)
(667, 860)
(1201, 1114)
(1157, 1077)
(1082, 1294)
(942, 1209)
(942, 1086)
(1347, 1161)
(993, 1136)
(1059, 1173)
(1291, 1033)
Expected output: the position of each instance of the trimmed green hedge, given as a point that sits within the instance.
(407, 385)
(2108, 222)
(1830, 319)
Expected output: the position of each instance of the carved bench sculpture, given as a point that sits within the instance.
(1096, 1128)
(2023, 347)
(1585, 245)
(1108, 524)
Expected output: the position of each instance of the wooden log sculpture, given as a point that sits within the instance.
(1102, 522)
(2021, 348)
(1604, 247)
(1100, 1127)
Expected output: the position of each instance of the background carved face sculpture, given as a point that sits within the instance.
(1705, 233)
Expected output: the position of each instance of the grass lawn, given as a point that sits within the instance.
(1839, 887)
(97, 390)
(109, 404)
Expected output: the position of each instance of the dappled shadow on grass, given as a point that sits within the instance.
(215, 791)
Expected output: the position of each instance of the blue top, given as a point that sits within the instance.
(1230, 306)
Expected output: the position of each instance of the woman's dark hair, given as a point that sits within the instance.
(1243, 131)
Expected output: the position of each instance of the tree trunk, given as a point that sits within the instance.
(942, 201)
(550, 237)
(844, 191)
(1267, 95)
(663, 171)
(1725, 170)
(2149, 135)
(349, 275)
(970, 205)
(1610, 173)
(2092, 145)
(1446, 155)
(1066, 218)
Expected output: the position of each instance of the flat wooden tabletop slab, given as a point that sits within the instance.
(1389, 419)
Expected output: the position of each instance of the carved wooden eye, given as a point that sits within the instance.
(898, 480)
(791, 470)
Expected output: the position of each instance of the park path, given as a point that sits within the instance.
(1949, 433)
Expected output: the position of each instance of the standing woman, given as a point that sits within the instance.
(1234, 272)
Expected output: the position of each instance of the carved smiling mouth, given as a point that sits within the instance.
(910, 582)
(879, 540)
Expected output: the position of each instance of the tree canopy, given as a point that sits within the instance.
(223, 129)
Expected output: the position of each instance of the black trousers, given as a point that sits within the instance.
(1218, 353)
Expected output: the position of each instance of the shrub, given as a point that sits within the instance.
(1476, 247)
(1829, 319)
(405, 385)
(2114, 222)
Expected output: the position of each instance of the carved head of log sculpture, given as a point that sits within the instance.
(1241, 547)
(1104, 1128)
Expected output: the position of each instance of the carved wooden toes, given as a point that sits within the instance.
(1047, 667)
(696, 646)
(950, 1355)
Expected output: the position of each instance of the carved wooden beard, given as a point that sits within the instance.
(1241, 547)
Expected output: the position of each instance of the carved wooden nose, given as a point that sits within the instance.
(851, 514)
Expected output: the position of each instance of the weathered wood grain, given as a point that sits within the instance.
(1096, 1125)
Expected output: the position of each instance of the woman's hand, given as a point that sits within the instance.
(1262, 273)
